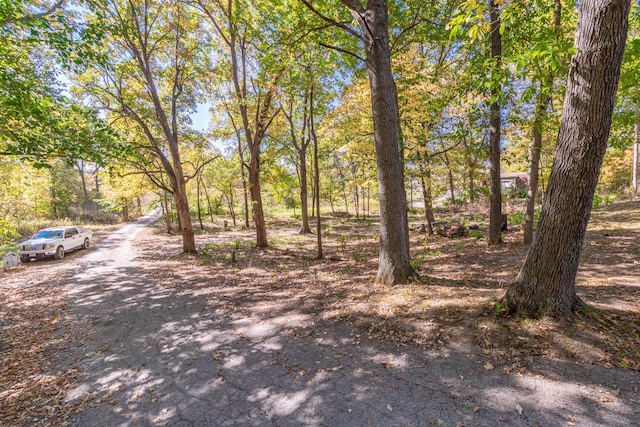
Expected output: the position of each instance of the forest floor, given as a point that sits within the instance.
(453, 302)
(454, 299)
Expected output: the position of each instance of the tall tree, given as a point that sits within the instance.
(544, 57)
(254, 81)
(495, 188)
(373, 31)
(150, 55)
(546, 283)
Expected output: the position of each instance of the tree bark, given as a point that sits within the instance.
(394, 266)
(546, 283)
(495, 188)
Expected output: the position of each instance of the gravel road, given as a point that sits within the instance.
(158, 356)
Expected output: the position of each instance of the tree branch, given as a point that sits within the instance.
(341, 50)
(333, 21)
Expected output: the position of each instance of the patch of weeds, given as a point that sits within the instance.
(516, 218)
(500, 309)
(343, 241)
(357, 254)
(477, 234)
(378, 327)
(479, 218)
(416, 263)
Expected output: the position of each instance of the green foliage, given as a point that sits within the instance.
(416, 263)
(37, 120)
(357, 254)
(516, 218)
(343, 241)
(477, 234)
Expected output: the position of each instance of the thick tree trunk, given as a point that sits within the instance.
(394, 266)
(495, 188)
(546, 283)
(184, 219)
(256, 199)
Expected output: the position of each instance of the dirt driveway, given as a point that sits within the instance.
(139, 337)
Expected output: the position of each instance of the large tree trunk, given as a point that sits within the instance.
(394, 266)
(546, 283)
(256, 198)
(495, 188)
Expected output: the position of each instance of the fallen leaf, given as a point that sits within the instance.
(488, 366)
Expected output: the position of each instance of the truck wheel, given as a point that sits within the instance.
(59, 253)
(86, 243)
(24, 259)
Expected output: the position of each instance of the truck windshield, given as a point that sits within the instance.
(47, 234)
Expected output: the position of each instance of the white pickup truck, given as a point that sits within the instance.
(54, 242)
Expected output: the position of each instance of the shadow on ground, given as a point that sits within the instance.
(279, 339)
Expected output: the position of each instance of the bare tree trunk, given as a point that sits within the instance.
(344, 197)
(316, 170)
(198, 181)
(534, 167)
(167, 212)
(206, 195)
(546, 283)
(635, 159)
(84, 184)
(495, 188)
(452, 190)
(245, 191)
(428, 204)
(394, 266)
(304, 199)
(544, 99)
(256, 199)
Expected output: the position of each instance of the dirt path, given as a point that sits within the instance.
(166, 353)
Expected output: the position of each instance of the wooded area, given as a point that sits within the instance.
(366, 108)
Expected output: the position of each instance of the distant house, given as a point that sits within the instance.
(513, 182)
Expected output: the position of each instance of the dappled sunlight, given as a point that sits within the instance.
(171, 339)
